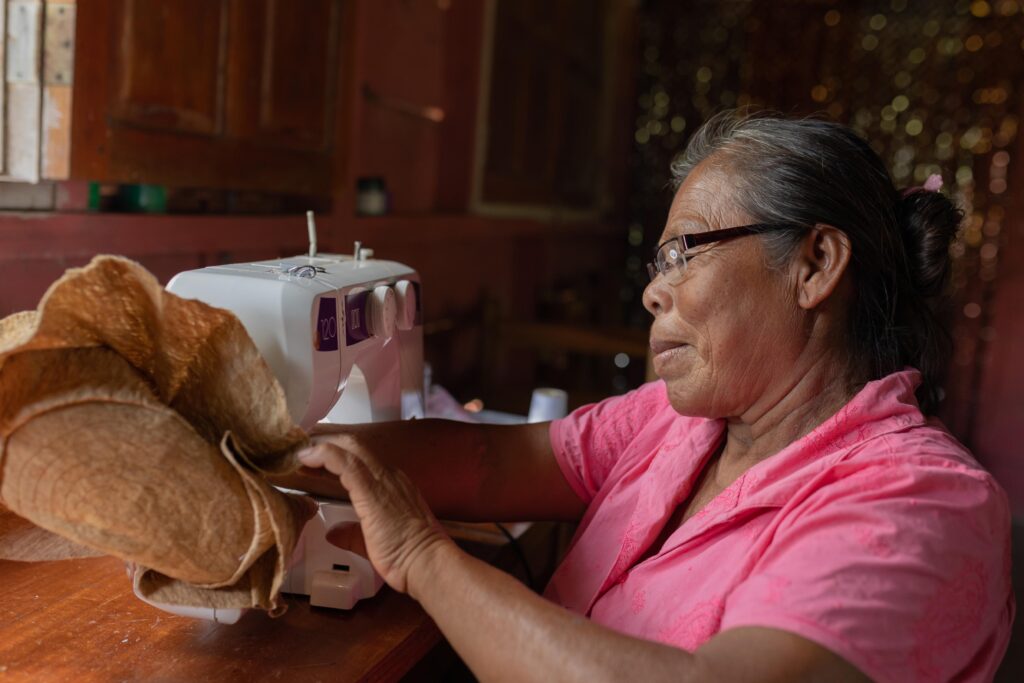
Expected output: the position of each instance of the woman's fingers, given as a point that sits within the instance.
(395, 522)
(337, 460)
(353, 472)
(312, 456)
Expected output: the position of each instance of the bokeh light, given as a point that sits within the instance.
(931, 86)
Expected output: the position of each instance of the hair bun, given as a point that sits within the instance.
(928, 221)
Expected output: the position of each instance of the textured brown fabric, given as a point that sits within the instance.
(137, 423)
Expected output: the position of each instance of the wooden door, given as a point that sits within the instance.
(206, 93)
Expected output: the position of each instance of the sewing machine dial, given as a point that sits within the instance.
(382, 312)
(405, 293)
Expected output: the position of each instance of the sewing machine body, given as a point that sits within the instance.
(344, 337)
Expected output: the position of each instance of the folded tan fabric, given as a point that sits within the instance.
(139, 424)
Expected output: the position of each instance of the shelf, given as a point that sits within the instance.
(74, 235)
(429, 228)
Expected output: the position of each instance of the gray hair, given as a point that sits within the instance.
(805, 172)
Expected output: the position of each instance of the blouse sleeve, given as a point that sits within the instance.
(588, 442)
(903, 571)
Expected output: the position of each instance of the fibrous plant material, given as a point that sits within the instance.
(139, 424)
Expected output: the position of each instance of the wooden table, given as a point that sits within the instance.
(77, 620)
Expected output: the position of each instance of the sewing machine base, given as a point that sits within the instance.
(329, 575)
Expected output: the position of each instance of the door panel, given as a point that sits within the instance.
(167, 71)
(235, 94)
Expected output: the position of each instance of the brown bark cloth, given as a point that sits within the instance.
(138, 424)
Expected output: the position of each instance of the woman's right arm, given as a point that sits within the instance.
(468, 472)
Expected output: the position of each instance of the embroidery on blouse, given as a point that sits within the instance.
(691, 630)
(950, 622)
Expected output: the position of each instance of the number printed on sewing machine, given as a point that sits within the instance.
(326, 333)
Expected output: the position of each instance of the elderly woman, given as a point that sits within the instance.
(777, 507)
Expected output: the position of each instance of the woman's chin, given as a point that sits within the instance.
(688, 404)
(688, 394)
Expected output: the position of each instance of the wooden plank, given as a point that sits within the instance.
(152, 118)
(56, 133)
(168, 68)
(71, 235)
(78, 620)
(400, 135)
(3, 86)
(27, 197)
(46, 235)
(24, 91)
(58, 78)
(463, 48)
(281, 72)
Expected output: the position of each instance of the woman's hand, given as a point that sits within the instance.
(399, 529)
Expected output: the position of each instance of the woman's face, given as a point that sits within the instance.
(724, 336)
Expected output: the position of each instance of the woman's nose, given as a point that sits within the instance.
(657, 298)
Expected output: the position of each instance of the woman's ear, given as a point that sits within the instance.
(820, 263)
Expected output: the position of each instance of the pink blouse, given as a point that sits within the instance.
(877, 535)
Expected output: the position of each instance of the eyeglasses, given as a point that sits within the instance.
(670, 258)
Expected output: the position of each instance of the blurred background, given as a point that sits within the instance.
(515, 152)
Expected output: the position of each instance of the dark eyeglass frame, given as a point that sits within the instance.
(697, 239)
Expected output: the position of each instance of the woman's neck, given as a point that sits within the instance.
(794, 408)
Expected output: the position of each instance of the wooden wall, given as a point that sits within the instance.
(396, 58)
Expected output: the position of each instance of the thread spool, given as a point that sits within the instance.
(547, 403)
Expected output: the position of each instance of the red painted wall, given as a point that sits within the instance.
(998, 434)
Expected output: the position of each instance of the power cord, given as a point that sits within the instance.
(518, 549)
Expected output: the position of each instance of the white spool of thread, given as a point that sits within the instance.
(546, 404)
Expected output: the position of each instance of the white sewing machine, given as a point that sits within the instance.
(344, 337)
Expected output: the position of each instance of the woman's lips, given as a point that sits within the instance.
(659, 346)
(666, 355)
(666, 350)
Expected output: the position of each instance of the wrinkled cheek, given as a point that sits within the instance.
(730, 368)
(692, 388)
